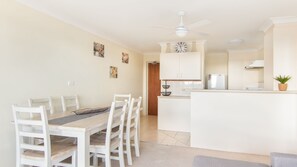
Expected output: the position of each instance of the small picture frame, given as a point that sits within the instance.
(98, 49)
(125, 58)
(113, 72)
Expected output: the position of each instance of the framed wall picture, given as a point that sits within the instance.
(125, 58)
(98, 49)
(113, 72)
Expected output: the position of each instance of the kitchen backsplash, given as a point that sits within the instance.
(182, 88)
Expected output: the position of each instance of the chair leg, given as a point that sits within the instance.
(136, 145)
(95, 160)
(18, 164)
(121, 156)
(128, 149)
(107, 160)
(74, 159)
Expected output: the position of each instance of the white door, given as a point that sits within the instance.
(169, 66)
(190, 66)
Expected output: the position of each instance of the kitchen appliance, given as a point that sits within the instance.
(217, 81)
(255, 64)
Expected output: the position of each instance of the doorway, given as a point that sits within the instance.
(154, 87)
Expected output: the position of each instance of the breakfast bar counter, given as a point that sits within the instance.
(174, 113)
(256, 122)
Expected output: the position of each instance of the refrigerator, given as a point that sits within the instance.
(217, 81)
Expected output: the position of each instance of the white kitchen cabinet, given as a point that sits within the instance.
(169, 66)
(174, 113)
(190, 66)
(180, 66)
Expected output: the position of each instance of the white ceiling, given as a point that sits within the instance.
(131, 22)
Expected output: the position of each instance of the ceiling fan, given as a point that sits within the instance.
(181, 30)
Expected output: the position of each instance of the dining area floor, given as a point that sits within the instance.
(149, 132)
(159, 155)
(161, 148)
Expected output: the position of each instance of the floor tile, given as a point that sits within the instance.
(149, 132)
(167, 148)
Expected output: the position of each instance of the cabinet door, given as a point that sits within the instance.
(190, 66)
(169, 66)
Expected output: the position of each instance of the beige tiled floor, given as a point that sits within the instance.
(155, 154)
(149, 132)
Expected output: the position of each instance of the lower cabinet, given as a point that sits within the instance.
(174, 113)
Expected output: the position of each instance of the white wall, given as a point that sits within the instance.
(285, 53)
(147, 58)
(268, 60)
(239, 77)
(216, 63)
(280, 43)
(39, 54)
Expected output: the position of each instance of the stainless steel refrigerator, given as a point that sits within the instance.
(217, 81)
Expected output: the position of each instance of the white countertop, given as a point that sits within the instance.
(247, 91)
(174, 97)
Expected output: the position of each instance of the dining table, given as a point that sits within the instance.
(81, 127)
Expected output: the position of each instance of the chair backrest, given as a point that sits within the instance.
(133, 115)
(46, 102)
(115, 125)
(70, 103)
(29, 129)
(121, 98)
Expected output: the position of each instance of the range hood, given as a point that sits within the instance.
(256, 64)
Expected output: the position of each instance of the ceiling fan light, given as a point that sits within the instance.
(181, 32)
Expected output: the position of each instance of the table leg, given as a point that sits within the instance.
(83, 155)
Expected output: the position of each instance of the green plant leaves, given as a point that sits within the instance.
(283, 79)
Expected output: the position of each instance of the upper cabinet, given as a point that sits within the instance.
(190, 66)
(169, 66)
(187, 65)
(180, 66)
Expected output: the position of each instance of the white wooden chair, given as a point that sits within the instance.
(131, 129)
(46, 102)
(121, 98)
(46, 154)
(112, 141)
(70, 103)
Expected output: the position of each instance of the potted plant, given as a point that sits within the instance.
(282, 85)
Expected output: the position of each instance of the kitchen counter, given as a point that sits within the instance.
(254, 122)
(174, 113)
(175, 97)
(247, 91)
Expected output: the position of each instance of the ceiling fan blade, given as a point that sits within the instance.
(162, 27)
(199, 24)
(202, 34)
